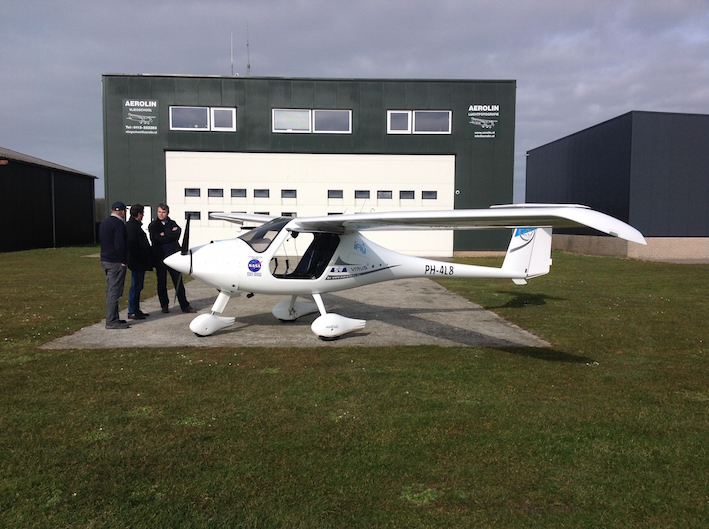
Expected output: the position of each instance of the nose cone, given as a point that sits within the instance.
(179, 262)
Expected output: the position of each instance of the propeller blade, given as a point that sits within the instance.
(186, 237)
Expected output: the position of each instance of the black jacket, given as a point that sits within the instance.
(139, 251)
(165, 238)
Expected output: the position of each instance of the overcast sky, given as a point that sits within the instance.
(576, 63)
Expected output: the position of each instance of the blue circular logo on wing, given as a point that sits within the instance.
(254, 265)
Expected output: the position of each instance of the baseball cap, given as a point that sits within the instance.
(118, 206)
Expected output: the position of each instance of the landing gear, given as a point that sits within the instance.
(329, 326)
(206, 324)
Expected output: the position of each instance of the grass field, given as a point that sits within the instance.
(607, 428)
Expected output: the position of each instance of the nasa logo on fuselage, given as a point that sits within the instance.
(254, 265)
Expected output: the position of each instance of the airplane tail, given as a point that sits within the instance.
(529, 254)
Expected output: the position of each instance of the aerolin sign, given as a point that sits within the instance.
(484, 119)
(140, 116)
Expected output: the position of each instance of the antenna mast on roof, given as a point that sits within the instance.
(232, 54)
(248, 59)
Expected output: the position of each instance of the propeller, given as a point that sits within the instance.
(185, 248)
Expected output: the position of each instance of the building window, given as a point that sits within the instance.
(215, 193)
(334, 193)
(419, 121)
(291, 120)
(289, 193)
(223, 119)
(261, 213)
(203, 119)
(398, 121)
(288, 214)
(193, 215)
(332, 121)
(238, 193)
(261, 193)
(305, 120)
(362, 194)
(384, 195)
(429, 195)
(406, 195)
(432, 121)
(189, 118)
(192, 192)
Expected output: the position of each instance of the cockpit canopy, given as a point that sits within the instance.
(260, 238)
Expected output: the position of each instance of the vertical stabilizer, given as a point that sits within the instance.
(529, 253)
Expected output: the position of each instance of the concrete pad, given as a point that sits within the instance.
(401, 312)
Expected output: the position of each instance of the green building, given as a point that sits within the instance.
(290, 146)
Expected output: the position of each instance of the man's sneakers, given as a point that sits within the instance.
(139, 315)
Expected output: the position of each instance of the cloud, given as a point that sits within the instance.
(576, 63)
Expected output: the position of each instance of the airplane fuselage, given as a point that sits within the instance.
(233, 265)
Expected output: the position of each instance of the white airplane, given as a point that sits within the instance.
(337, 256)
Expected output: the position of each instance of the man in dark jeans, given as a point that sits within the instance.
(140, 260)
(114, 257)
(165, 236)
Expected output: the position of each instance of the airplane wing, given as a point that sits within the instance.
(510, 216)
(240, 218)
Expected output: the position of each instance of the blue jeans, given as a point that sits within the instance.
(115, 280)
(137, 279)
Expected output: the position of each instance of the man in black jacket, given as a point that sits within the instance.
(165, 236)
(114, 256)
(140, 260)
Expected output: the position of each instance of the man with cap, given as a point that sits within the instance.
(114, 257)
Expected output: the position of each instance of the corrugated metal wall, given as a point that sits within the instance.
(650, 169)
(135, 163)
(45, 207)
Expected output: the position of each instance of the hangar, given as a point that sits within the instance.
(62, 204)
(649, 169)
(311, 146)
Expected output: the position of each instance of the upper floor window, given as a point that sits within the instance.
(334, 193)
(432, 121)
(224, 119)
(289, 193)
(291, 120)
(261, 193)
(215, 193)
(429, 195)
(238, 193)
(305, 120)
(360, 193)
(332, 121)
(419, 121)
(192, 192)
(406, 195)
(203, 119)
(384, 195)
(189, 118)
(399, 121)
